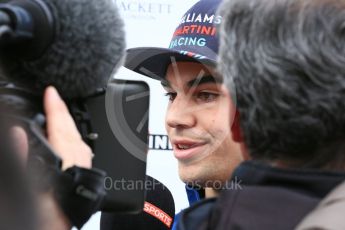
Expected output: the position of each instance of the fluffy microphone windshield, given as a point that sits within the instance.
(87, 48)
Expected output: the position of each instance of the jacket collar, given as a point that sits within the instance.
(312, 182)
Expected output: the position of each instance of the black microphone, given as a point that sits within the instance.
(74, 45)
(158, 212)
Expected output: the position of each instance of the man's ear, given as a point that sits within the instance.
(238, 137)
(236, 129)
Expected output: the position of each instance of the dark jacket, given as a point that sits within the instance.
(267, 198)
(193, 195)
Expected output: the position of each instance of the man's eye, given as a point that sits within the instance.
(207, 96)
(171, 96)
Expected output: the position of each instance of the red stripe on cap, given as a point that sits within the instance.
(157, 213)
(190, 54)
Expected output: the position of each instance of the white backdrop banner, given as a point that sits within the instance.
(152, 23)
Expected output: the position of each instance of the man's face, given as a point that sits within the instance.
(198, 124)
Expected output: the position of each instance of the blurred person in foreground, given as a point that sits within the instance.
(16, 199)
(66, 142)
(283, 62)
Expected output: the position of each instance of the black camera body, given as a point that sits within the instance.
(120, 148)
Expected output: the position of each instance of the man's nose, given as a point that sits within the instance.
(180, 113)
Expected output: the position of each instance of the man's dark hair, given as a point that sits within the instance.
(286, 61)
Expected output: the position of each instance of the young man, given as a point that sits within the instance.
(198, 116)
(197, 119)
(285, 58)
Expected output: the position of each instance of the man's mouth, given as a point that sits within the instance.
(184, 146)
(185, 150)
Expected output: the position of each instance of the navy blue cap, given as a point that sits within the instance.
(195, 39)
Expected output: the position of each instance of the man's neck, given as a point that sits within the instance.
(210, 192)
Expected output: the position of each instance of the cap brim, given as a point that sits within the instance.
(153, 61)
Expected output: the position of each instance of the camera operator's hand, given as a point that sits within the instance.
(65, 140)
(63, 134)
